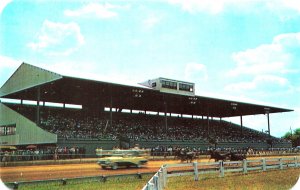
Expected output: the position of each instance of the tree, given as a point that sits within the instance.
(297, 131)
(287, 135)
(293, 136)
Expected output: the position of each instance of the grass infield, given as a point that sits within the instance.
(276, 179)
(270, 180)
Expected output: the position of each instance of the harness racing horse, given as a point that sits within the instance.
(217, 156)
(237, 157)
(185, 155)
(190, 156)
(177, 153)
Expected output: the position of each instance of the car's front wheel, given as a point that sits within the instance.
(114, 166)
(139, 165)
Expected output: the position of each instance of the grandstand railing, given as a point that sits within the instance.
(159, 180)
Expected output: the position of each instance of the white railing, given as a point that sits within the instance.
(159, 180)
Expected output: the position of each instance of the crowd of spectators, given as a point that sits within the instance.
(75, 123)
(42, 153)
(171, 150)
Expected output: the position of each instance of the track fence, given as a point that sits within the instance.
(65, 181)
(159, 180)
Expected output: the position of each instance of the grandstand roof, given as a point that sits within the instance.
(71, 90)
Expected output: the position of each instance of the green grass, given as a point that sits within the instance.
(126, 183)
(270, 180)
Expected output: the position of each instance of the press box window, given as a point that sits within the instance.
(168, 84)
(186, 87)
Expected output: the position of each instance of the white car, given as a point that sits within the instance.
(122, 158)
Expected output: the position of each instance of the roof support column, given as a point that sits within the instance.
(38, 97)
(208, 126)
(166, 118)
(110, 111)
(241, 124)
(268, 124)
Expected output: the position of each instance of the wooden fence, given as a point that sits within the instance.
(64, 181)
(159, 180)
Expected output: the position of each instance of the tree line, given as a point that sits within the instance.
(294, 136)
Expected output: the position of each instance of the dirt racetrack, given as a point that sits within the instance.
(27, 173)
(41, 172)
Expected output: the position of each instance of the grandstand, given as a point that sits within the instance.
(49, 109)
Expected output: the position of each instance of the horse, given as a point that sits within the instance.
(185, 155)
(177, 153)
(237, 157)
(190, 156)
(217, 156)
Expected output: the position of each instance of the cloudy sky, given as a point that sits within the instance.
(245, 50)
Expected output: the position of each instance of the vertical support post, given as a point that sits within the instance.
(166, 122)
(241, 125)
(15, 185)
(38, 105)
(221, 165)
(280, 164)
(165, 173)
(195, 164)
(150, 186)
(160, 180)
(110, 110)
(296, 161)
(208, 126)
(166, 117)
(245, 171)
(264, 164)
(104, 178)
(202, 121)
(269, 124)
(64, 181)
(155, 181)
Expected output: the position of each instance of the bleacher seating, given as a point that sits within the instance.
(75, 123)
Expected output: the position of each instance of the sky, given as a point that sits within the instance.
(242, 50)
